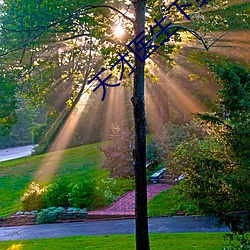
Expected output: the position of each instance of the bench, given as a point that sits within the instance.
(155, 177)
(182, 176)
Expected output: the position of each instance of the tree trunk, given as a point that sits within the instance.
(139, 151)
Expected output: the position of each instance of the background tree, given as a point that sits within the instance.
(118, 155)
(8, 105)
(165, 142)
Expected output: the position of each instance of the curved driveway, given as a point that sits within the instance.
(17, 152)
(156, 225)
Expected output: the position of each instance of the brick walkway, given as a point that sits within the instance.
(124, 207)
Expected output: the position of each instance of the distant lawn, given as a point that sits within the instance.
(170, 241)
(16, 175)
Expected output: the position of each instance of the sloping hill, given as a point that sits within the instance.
(16, 175)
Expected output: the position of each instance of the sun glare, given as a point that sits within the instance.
(119, 31)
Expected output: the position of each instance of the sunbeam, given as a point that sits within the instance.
(51, 161)
(169, 100)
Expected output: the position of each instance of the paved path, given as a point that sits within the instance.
(125, 206)
(14, 153)
(156, 225)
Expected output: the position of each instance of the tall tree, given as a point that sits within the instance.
(139, 151)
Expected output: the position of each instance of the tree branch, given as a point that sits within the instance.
(42, 29)
(76, 12)
(112, 8)
(194, 33)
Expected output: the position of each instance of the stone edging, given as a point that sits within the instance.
(30, 219)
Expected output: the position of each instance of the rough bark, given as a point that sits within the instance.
(139, 151)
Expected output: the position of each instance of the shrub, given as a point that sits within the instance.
(33, 197)
(73, 209)
(48, 215)
(81, 194)
(208, 179)
(216, 168)
(103, 194)
(57, 193)
(243, 242)
(109, 189)
(123, 185)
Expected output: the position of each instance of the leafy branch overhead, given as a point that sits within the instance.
(37, 31)
(80, 15)
(47, 32)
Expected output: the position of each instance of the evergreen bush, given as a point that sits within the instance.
(48, 215)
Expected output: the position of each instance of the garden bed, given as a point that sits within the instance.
(31, 219)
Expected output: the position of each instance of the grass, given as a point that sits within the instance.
(170, 241)
(16, 175)
(169, 203)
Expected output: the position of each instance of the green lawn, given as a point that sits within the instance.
(170, 202)
(171, 241)
(16, 175)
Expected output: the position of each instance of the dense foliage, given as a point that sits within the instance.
(81, 194)
(217, 168)
(162, 143)
(90, 193)
(56, 194)
(8, 105)
(61, 193)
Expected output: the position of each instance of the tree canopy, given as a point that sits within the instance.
(50, 43)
